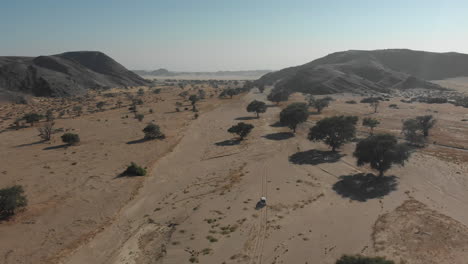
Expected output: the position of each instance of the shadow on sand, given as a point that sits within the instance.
(137, 141)
(57, 147)
(246, 118)
(277, 124)
(30, 144)
(315, 157)
(229, 142)
(279, 136)
(361, 186)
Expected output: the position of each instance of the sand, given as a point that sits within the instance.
(198, 204)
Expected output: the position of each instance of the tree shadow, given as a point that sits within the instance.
(279, 136)
(361, 186)
(30, 144)
(277, 124)
(315, 157)
(56, 147)
(246, 118)
(137, 141)
(229, 142)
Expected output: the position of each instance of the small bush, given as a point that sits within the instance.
(70, 138)
(351, 102)
(140, 117)
(394, 106)
(134, 170)
(11, 199)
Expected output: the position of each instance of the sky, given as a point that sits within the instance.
(211, 35)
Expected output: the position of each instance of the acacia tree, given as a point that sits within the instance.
(425, 122)
(152, 131)
(279, 96)
(49, 115)
(241, 129)
(370, 123)
(293, 115)
(193, 100)
(257, 107)
(46, 131)
(11, 199)
(412, 131)
(334, 131)
(261, 88)
(231, 92)
(32, 118)
(381, 152)
(319, 104)
(375, 104)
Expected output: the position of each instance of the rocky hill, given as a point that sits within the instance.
(358, 71)
(66, 74)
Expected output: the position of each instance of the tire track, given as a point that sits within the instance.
(257, 255)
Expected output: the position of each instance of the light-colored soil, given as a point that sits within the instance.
(416, 234)
(459, 84)
(74, 192)
(198, 203)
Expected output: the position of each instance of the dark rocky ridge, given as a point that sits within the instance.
(369, 71)
(66, 74)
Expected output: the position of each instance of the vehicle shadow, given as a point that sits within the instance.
(279, 136)
(315, 157)
(362, 187)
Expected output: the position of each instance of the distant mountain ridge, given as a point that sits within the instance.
(369, 71)
(66, 74)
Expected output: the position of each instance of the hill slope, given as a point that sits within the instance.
(373, 71)
(66, 74)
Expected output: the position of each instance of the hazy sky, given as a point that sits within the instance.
(205, 35)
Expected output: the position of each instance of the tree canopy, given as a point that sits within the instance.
(411, 130)
(32, 118)
(257, 107)
(370, 123)
(11, 199)
(241, 129)
(319, 104)
(425, 122)
(334, 131)
(294, 114)
(381, 151)
(70, 138)
(193, 100)
(279, 96)
(152, 131)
